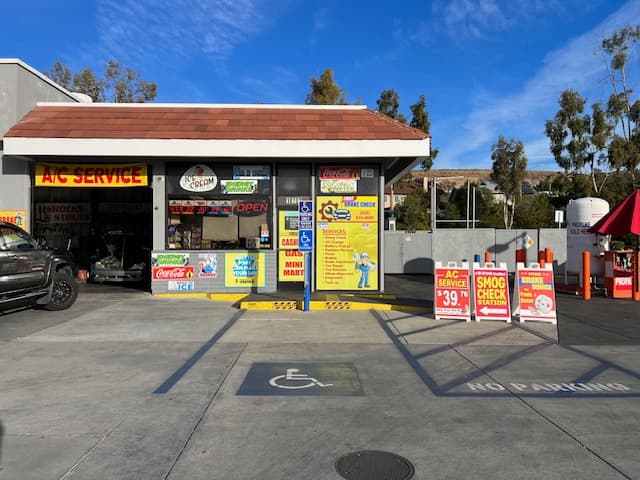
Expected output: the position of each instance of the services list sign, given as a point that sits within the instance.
(536, 294)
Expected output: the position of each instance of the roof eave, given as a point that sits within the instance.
(76, 147)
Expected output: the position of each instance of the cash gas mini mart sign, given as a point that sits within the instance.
(91, 175)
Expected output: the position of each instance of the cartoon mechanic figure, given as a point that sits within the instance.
(364, 265)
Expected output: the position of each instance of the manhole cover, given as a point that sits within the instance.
(374, 465)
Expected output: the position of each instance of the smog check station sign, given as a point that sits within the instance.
(452, 294)
(491, 293)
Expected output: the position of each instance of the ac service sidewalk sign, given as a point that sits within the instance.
(534, 297)
(452, 291)
(491, 292)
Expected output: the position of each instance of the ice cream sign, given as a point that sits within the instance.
(198, 178)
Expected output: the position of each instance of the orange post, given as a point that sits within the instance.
(521, 256)
(586, 275)
(548, 255)
(487, 257)
(541, 259)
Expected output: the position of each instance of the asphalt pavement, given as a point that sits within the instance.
(125, 385)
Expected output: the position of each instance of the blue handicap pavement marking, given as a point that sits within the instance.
(585, 385)
(301, 379)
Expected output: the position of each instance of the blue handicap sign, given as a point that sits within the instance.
(305, 225)
(305, 240)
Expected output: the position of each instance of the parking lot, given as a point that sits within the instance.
(128, 386)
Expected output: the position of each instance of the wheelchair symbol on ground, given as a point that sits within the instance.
(301, 379)
(293, 380)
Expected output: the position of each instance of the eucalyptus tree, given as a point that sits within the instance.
(579, 140)
(118, 83)
(508, 170)
(622, 108)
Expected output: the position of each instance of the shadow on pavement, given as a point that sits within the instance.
(599, 321)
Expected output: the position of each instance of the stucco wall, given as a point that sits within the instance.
(20, 91)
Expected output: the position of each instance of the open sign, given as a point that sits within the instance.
(251, 208)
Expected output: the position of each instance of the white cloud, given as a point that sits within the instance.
(471, 20)
(522, 114)
(161, 30)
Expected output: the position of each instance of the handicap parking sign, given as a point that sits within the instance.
(305, 225)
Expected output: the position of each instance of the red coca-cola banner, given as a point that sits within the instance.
(339, 173)
(173, 273)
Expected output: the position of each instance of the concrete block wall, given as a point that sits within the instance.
(415, 253)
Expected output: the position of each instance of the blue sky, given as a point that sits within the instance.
(486, 67)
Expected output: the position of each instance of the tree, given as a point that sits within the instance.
(325, 91)
(420, 120)
(579, 140)
(621, 108)
(486, 209)
(508, 171)
(389, 104)
(126, 86)
(413, 214)
(534, 211)
(119, 84)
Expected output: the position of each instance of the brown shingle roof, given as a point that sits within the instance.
(105, 121)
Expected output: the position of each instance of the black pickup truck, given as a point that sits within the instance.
(31, 274)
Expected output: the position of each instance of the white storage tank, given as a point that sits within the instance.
(583, 213)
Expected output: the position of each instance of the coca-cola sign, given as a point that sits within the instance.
(173, 273)
(339, 173)
(198, 178)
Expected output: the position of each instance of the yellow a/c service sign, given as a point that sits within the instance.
(91, 175)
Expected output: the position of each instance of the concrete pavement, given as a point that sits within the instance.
(127, 386)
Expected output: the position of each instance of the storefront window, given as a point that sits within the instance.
(219, 206)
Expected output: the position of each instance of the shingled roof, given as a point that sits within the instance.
(217, 131)
(215, 122)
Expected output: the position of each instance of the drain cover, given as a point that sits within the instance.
(374, 465)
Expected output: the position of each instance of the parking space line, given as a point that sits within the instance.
(186, 366)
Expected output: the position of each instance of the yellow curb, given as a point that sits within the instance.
(271, 305)
(232, 297)
(180, 295)
(386, 296)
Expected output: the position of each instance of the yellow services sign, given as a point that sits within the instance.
(347, 243)
(244, 270)
(91, 175)
(17, 217)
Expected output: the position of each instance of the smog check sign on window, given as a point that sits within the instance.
(491, 293)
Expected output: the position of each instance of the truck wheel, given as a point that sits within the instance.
(65, 292)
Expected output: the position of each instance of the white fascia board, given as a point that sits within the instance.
(93, 147)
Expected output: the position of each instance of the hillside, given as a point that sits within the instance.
(533, 177)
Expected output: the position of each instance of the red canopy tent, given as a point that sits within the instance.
(624, 218)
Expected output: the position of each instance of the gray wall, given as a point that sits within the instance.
(20, 90)
(416, 252)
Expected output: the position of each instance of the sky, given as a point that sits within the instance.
(487, 68)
